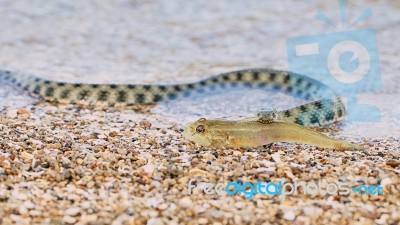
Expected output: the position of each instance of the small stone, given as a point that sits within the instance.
(186, 202)
(24, 113)
(162, 206)
(72, 211)
(155, 221)
(29, 204)
(240, 205)
(69, 219)
(237, 153)
(393, 163)
(312, 211)
(276, 157)
(113, 134)
(141, 162)
(21, 196)
(303, 220)
(386, 181)
(35, 213)
(26, 155)
(54, 146)
(13, 113)
(202, 221)
(90, 218)
(122, 151)
(382, 219)
(145, 124)
(308, 157)
(287, 203)
(289, 215)
(149, 168)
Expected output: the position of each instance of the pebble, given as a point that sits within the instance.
(276, 157)
(289, 215)
(72, 211)
(24, 113)
(29, 204)
(385, 182)
(382, 219)
(149, 168)
(54, 146)
(203, 221)
(89, 218)
(13, 113)
(186, 202)
(393, 163)
(312, 211)
(155, 221)
(240, 205)
(145, 124)
(113, 134)
(69, 219)
(303, 220)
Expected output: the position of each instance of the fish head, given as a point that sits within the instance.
(201, 132)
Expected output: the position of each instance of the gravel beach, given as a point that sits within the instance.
(67, 164)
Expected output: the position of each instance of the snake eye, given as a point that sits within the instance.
(200, 129)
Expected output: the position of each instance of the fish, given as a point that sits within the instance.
(248, 133)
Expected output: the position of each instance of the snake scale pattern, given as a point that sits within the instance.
(324, 107)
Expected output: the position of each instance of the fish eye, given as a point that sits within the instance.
(200, 129)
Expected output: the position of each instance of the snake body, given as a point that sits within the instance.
(324, 107)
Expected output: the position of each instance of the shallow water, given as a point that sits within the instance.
(180, 41)
(229, 103)
(238, 104)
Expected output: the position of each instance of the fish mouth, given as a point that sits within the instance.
(187, 134)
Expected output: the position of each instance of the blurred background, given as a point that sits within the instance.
(178, 41)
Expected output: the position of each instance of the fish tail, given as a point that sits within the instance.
(343, 146)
